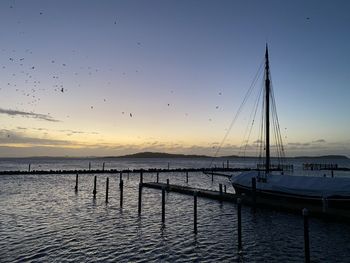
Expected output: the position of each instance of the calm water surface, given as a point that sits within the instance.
(42, 219)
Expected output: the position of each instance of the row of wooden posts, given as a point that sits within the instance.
(239, 208)
(103, 166)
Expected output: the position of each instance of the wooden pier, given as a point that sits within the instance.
(191, 191)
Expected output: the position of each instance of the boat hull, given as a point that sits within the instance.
(286, 200)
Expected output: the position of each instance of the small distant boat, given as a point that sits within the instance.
(289, 190)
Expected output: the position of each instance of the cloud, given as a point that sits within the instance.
(319, 141)
(71, 132)
(9, 137)
(28, 114)
(298, 144)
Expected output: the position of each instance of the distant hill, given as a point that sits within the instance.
(171, 155)
(342, 157)
(161, 155)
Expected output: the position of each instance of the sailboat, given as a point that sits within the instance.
(289, 189)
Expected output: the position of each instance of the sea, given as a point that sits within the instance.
(42, 218)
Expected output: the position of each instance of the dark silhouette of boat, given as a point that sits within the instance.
(289, 189)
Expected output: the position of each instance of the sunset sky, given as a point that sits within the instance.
(97, 78)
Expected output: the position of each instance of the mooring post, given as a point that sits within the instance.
(107, 186)
(225, 188)
(212, 175)
(141, 177)
(94, 192)
(89, 166)
(167, 184)
(254, 191)
(163, 205)
(157, 177)
(120, 178)
(332, 173)
(239, 224)
(29, 167)
(140, 198)
(220, 189)
(306, 235)
(121, 186)
(195, 212)
(168, 166)
(187, 177)
(76, 183)
(324, 204)
(103, 166)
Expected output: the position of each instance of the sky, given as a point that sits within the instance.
(103, 78)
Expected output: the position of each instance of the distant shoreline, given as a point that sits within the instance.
(158, 155)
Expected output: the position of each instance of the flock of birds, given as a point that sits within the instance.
(23, 78)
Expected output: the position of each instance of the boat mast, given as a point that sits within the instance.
(267, 110)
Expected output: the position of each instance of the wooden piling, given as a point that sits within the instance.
(107, 186)
(195, 212)
(121, 186)
(187, 177)
(157, 177)
(239, 224)
(94, 191)
(254, 191)
(306, 235)
(212, 175)
(29, 167)
(103, 166)
(168, 166)
(140, 199)
(141, 177)
(120, 178)
(220, 188)
(163, 205)
(76, 183)
(332, 175)
(324, 204)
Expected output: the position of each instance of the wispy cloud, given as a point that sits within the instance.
(26, 114)
(9, 137)
(319, 141)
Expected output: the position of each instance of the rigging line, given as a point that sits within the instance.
(277, 129)
(251, 127)
(258, 152)
(262, 132)
(251, 118)
(277, 122)
(238, 112)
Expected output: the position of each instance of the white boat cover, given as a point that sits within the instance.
(298, 185)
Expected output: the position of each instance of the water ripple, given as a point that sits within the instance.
(44, 220)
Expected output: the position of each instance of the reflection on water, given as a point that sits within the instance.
(43, 219)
